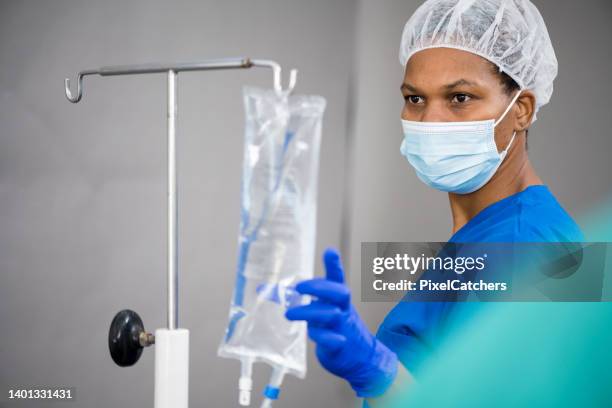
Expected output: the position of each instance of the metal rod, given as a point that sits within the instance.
(211, 64)
(222, 63)
(172, 204)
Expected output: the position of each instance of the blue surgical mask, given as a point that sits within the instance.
(456, 157)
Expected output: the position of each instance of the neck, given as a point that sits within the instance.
(514, 175)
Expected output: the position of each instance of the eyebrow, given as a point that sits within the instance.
(465, 82)
(460, 82)
(407, 87)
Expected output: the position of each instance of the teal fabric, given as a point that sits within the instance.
(523, 355)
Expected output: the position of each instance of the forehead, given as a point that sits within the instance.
(440, 66)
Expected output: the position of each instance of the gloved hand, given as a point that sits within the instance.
(345, 347)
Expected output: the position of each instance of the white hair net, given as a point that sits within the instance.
(509, 33)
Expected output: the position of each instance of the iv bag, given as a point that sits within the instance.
(277, 235)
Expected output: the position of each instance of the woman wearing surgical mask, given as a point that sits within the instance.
(476, 74)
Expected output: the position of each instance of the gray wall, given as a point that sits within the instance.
(82, 211)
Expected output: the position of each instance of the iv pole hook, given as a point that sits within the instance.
(276, 72)
(79, 90)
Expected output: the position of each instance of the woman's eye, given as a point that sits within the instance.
(461, 98)
(414, 99)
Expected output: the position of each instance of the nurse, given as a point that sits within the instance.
(476, 74)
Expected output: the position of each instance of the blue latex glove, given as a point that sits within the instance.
(345, 347)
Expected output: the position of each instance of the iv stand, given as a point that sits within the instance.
(127, 336)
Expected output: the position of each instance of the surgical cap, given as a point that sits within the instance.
(509, 33)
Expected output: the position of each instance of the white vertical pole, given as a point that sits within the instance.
(172, 344)
(172, 204)
(171, 368)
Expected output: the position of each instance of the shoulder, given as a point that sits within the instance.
(541, 218)
(533, 215)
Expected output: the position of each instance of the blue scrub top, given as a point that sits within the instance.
(414, 329)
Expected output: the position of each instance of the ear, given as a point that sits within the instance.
(526, 104)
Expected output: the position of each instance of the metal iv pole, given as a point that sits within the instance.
(127, 336)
